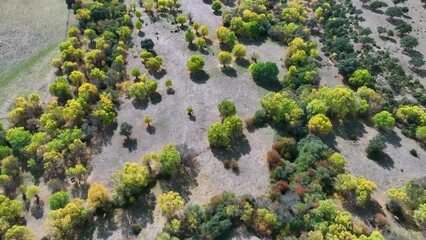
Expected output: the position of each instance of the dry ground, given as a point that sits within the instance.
(29, 34)
(415, 17)
(205, 175)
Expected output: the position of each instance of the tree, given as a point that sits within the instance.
(421, 133)
(63, 220)
(18, 233)
(181, 19)
(337, 161)
(375, 147)
(393, 12)
(200, 42)
(137, 91)
(168, 83)
(409, 42)
(76, 78)
(147, 120)
(264, 71)
(18, 138)
(170, 203)
(404, 28)
(58, 200)
(216, 5)
(130, 182)
(417, 62)
(124, 32)
(90, 33)
(204, 31)
(384, 119)
(126, 129)
(195, 64)
(154, 63)
(59, 88)
(231, 39)
(78, 171)
(420, 214)
(239, 51)
(170, 159)
(234, 126)
(320, 124)
(136, 73)
(151, 86)
(138, 14)
(33, 191)
(147, 44)
(218, 135)
(98, 196)
(189, 36)
(222, 33)
(360, 77)
(226, 108)
(224, 58)
(138, 25)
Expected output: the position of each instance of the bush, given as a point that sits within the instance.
(58, 200)
(264, 71)
(375, 147)
(136, 229)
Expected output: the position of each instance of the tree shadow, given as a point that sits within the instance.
(217, 13)
(419, 72)
(193, 118)
(186, 178)
(384, 160)
(256, 42)
(80, 191)
(103, 138)
(384, 38)
(138, 214)
(229, 71)
(159, 74)
(225, 47)
(199, 77)
(106, 226)
(131, 144)
(37, 210)
(192, 47)
(155, 98)
(365, 212)
(273, 86)
(140, 104)
(392, 138)
(350, 130)
(170, 91)
(242, 62)
(239, 148)
(394, 21)
(141, 34)
(414, 53)
(151, 130)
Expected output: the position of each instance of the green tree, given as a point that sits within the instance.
(195, 64)
(239, 51)
(224, 58)
(222, 33)
(404, 28)
(420, 214)
(137, 91)
(218, 135)
(90, 33)
(154, 63)
(58, 200)
(234, 126)
(384, 119)
(170, 159)
(138, 14)
(421, 133)
(136, 73)
(226, 108)
(124, 32)
(393, 12)
(181, 19)
(170, 203)
(204, 30)
(189, 36)
(417, 62)
(200, 42)
(375, 147)
(130, 182)
(18, 138)
(231, 38)
(76, 78)
(360, 77)
(59, 88)
(18, 233)
(264, 72)
(126, 129)
(147, 120)
(151, 86)
(409, 42)
(33, 191)
(320, 124)
(216, 5)
(78, 171)
(63, 220)
(138, 25)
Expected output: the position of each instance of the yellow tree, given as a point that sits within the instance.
(170, 203)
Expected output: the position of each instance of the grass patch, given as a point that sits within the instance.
(25, 65)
